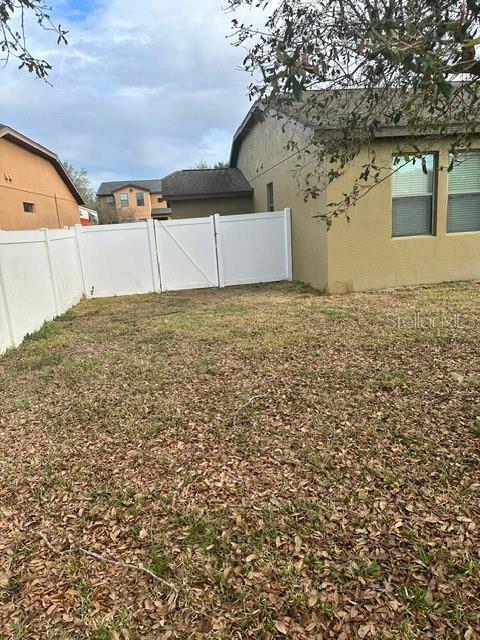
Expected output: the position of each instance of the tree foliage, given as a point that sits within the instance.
(203, 164)
(81, 180)
(108, 214)
(373, 65)
(14, 17)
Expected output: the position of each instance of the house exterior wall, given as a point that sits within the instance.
(200, 208)
(263, 159)
(154, 201)
(105, 210)
(116, 213)
(27, 177)
(363, 255)
(133, 211)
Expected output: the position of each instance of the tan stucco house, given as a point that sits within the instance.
(131, 200)
(413, 228)
(35, 189)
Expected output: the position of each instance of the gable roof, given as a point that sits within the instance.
(254, 114)
(11, 135)
(330, 110)
(108, 188)
(205, 183)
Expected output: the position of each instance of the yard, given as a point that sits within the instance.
(292, 465)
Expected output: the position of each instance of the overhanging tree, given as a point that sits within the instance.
(203, 164)
(81, 180)
(15, 15)
(376, 64)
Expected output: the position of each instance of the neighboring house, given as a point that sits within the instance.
(194, 193)
(35, 189)
(410, 229)
(131, 200)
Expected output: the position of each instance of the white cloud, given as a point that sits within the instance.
(143, 88)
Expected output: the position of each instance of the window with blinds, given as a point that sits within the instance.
(412, 193)
(464, 193)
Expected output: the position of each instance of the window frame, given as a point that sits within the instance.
(29, 208)
(433, 195)
(140, 193)
(460, 193)
(124, 205)
(110, 200)
(270, 197)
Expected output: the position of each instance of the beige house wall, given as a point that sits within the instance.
(200, 208)
(264, 158)
(132, 212)
(154, 201)
(27, 177)
(363, 255)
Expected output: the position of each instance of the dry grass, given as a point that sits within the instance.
(295, 465)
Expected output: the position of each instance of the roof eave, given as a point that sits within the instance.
(402, 131)
(129, 185)
(30, 145)
(245, 126)
(207, 196)
(256, 111)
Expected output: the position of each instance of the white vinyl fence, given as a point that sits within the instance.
(118, 259)
(186, 253)
(255, 247)
(45, 272)
(39, 280)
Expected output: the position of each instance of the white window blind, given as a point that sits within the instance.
(412, 192)
(464, 193)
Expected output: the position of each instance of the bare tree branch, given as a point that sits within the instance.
(14, 15)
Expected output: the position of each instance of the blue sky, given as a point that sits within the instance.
(76, 10)
(142, 89)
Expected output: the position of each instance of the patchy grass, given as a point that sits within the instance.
(297, 466)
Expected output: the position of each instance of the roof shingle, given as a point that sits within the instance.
(107, 188)
(205, 183)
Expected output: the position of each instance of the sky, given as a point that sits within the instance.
(144, 87)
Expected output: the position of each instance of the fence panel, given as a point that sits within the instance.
(118, 259)
(186, 254)
(254, 247)
(66, 268)
(28, 293)
(6, 340)
(44, 272)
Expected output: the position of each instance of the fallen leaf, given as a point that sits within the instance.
(281, 627)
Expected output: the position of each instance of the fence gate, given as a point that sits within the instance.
(254, 247)
(187, 254)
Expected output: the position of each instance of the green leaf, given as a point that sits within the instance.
(445, 89)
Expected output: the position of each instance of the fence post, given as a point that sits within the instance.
(288, 243)
(218, 249)
(8, 313)
(152, 247)
(51, 269)
(78, 243)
